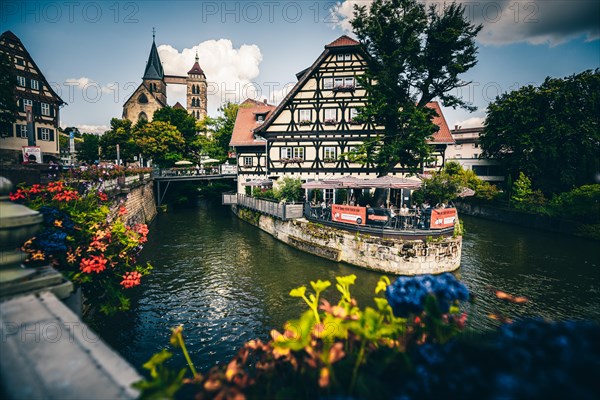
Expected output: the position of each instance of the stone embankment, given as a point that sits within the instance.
(402, 256)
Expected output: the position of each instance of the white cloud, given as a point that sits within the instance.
(97, 129)
(229, 71)
(473, 122)
(508, 21)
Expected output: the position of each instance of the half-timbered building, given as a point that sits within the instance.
(32, 90)
(250, 148)
(308, 134)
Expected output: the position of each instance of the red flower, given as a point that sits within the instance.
(142, 229)
(55, 186)
(122, 211)
(95, 264)
(19, 194)
(102, 196)
(66, 195)
(35, 189)
(131, 279)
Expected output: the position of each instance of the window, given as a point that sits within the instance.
(327, 83)
(340, 57)
(299, 152)
(347, 57)
(27, 102)
(260, 118)
(286, 152)
(328, 195)
(349, 82)
(353, 113)
(338, 82)
(247, 161)
(476, 145)
(329, 153)
(45, 134)
(475, 155)
(142, 99)
(21, 81)
(45, 109)
(143, 116)
(19, 61)
(22, 131)
(35, 85)
(305, 115)
(330, 114)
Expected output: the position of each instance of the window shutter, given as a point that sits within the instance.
(37, 108)
(39, 133)
(51, 134)
(21, 105)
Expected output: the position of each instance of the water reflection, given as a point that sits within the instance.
(228, 282)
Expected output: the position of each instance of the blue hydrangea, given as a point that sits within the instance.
(52, 241)
(52, 214)
(407, 294)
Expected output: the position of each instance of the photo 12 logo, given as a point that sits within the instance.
(27, 12)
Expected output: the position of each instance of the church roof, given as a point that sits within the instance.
(178, 105)
(154, 69)
(196, 69)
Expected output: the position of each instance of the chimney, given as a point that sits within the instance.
(455, 127)
(265, 101)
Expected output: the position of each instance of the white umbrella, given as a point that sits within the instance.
(209, 161)
(391, 182)
(347, 181)
(184, 162)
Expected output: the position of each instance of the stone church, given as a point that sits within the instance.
(151, 95)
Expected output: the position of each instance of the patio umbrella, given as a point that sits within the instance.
(263, 182)
(184, 162)
(318, 185)
(391, 182)
(466, 192)
(347, 181)
(209, 161)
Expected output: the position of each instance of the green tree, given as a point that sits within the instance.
(160, 141)
(521, 191)
(550, 133)
(8, 98)
(120, 133)
(87, 151)
(414, 56)
(184, 122)
(290, 190)
(216, 132)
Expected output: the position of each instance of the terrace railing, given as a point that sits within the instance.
(283, 211)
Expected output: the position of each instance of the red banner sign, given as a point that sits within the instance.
(348, 214)
(442, 218)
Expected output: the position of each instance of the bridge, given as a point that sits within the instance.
(164, 178)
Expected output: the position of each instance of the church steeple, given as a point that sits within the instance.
(154, 69)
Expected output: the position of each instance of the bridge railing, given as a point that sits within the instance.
(282, 211)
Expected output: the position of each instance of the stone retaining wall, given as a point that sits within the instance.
(139, 201)
(395, 256)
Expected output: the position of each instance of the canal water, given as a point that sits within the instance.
(228, 282)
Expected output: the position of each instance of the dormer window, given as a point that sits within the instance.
(260, 118)
(344, 57)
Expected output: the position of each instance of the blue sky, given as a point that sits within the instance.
(94, 53)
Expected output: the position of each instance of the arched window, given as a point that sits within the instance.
(143, 116)
(142, 99)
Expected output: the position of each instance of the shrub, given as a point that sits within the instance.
(582, 204)
(89, 245)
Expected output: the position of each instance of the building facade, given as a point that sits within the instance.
(467, 152)
(151, 95)
(308, 133)
(32, 90)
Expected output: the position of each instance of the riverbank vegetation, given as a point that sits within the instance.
(86, 237)
(414, 343)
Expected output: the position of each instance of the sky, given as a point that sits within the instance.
(94, 53)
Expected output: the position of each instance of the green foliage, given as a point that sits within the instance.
(185, 124)
(91, 245)
(8, 95)
(160, 141)
(121, 133)
(216, 132)
(521, 192)
(580, 204)
(87, 150)
(290, 190)
(415, 55)
(550, 132)
(164, 383)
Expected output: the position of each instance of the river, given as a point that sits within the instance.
(228, 282)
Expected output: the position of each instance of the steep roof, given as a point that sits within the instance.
(154, 69)
(343, 41)
(443, 135)
(245, 123)
(178, 105)
(7, 37)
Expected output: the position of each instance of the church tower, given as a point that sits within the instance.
(154, 75)
(151, 95)
(196, 91)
